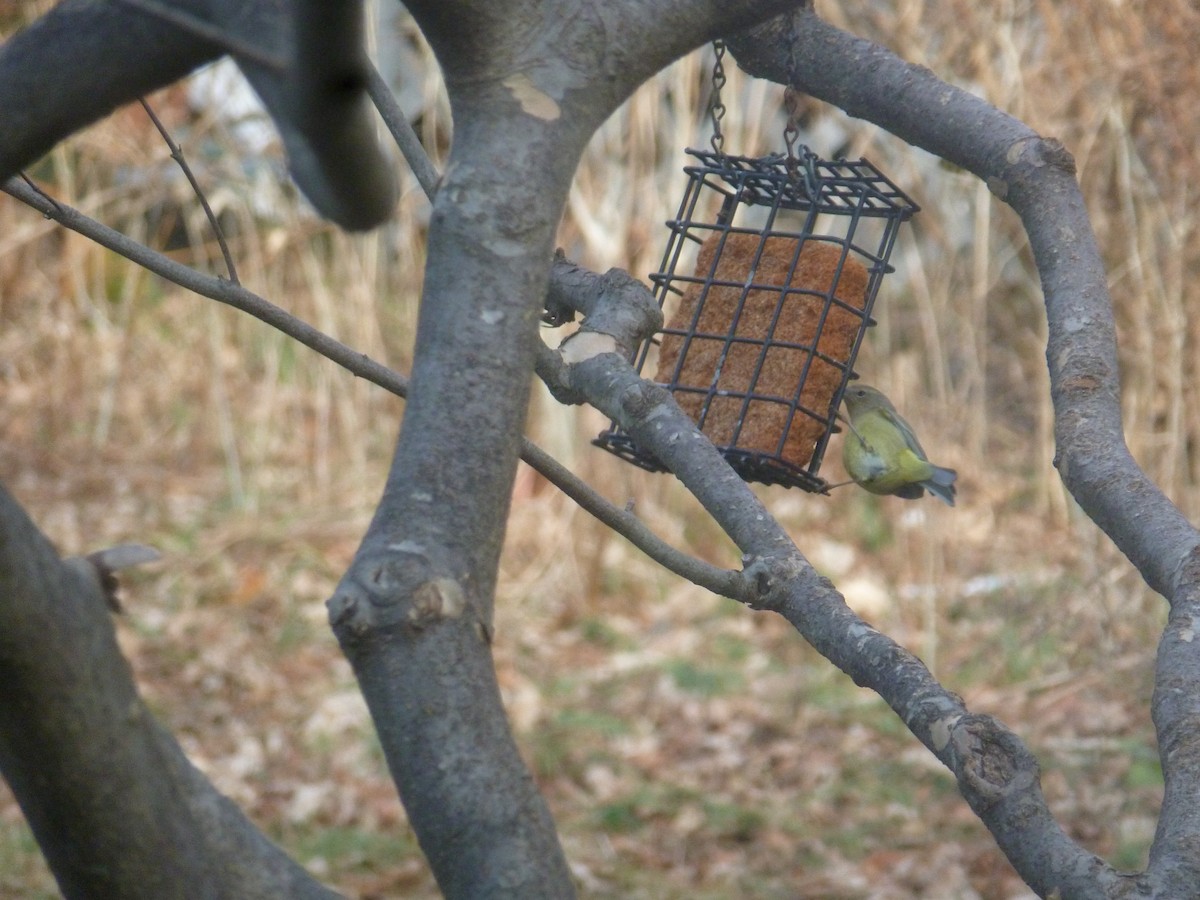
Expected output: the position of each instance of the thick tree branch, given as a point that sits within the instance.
(321, 108)
(118, 52)
(528, 84)
(77, 64)
(1175, 707)
(997, 775)
(114, 803)
(996, 772)
(1036, 176)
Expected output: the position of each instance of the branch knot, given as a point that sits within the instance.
(991, 762)
(398, 586)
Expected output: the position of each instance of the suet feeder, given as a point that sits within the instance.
(767, 284)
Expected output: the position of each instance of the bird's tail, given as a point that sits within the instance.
(941, 484)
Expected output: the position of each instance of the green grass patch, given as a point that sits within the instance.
(597, 631)
(1145, 770)
(576, 737)
(295, 630)
(707, 682)
(1131, 856)
(619, 817)
(734, 821)
(346, 850)
(731, 648)
(23, 871)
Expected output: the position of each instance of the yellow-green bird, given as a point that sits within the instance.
(882, 454)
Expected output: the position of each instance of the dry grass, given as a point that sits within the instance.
(688, 747)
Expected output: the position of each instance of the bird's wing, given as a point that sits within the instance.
(903, 427)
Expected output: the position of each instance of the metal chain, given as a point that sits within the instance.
(716, 109)
(791, 131)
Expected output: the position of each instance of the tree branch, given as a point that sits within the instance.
(116, 55)
(1175, 708)
(115, 805)
(190, 21)
(402, 132)
(528, 85)
(181, 161)
(1035, 176)
(321, 108)
(119, 52)
(996, 773)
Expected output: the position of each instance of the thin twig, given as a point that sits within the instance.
(177, 155)
(725, 582)
(37, 190)
(402, 132)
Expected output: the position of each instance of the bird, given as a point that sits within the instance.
(881, 453)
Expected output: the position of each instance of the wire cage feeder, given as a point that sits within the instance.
(767, 284)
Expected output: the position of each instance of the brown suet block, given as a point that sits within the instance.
(722, 356)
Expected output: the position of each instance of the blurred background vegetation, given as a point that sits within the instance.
(688, 747)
